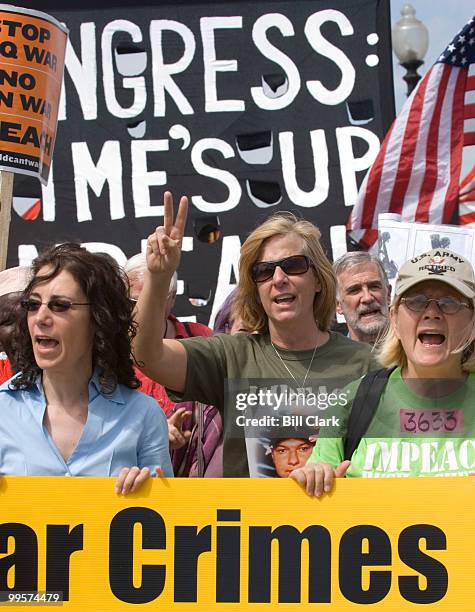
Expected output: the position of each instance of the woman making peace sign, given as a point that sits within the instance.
(286, 294)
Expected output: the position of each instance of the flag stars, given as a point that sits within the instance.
(451, 48)
(471, 41)
(463, 61)
(461, 39)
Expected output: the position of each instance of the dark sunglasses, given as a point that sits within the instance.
(55, 304)
(296, 264)
(447, 305)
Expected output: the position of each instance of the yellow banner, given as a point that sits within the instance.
(225, 545)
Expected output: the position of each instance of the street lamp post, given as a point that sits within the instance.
(410, 44)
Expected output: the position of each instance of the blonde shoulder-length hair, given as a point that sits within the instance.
(247, 302)
(391, 353)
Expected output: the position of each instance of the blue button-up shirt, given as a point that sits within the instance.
(123, 429)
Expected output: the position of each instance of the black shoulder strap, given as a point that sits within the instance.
(187, 326)
(364, 406)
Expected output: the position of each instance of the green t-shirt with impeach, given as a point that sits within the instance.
(410, 434)
(212, 361)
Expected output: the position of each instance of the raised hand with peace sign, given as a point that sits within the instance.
(164, 245)
(161, 360)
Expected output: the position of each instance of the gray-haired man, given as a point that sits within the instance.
(363, 295)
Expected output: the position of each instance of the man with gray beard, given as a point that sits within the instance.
(363, 295)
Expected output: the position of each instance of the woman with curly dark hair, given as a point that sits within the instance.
(73, 410)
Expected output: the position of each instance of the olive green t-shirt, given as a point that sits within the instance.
(410, 434)
(213, 361)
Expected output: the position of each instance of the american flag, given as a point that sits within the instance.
(416, 172)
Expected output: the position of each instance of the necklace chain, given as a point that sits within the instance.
(288, 370)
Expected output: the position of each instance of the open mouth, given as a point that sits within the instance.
(45, 342)
(431, 339)
(284, 299)
(370, 313)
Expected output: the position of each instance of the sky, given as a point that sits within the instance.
(443, 19)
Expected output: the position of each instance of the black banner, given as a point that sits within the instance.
(246, 107)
